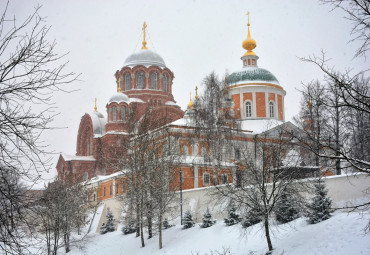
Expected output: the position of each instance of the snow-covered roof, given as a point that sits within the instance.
(146, 58)
(119, 97)
(258, 126)
(98, 121)
(79, 158)
(251, 75)
(136, 100)
(170, 103)
(199, 160)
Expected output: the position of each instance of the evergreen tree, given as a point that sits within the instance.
(166, 224)
(188, 220)
(286, 208)
(320, 207)
(130, 227)
(233, 218)
(252, 216)
(207, 220)
(109, 225)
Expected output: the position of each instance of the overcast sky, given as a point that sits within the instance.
(194, 38)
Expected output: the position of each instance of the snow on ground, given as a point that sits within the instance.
(341, 234)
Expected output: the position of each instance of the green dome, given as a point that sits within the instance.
(251, 75)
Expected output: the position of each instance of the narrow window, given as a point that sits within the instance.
(94, 197)
(122, 83)
(104, 192)
(110, 114)
(224, 179)
(110, 190)
(128, 81)
(114, 109)
(123, 186)
(204, 151)
(237, 153)
(140, 80)
(153, 80)
(164, 83)
(248, 109)
(123, 112)
(271, 104)
(116, 187)
(206, 179)
(184, 150)
(86, 176)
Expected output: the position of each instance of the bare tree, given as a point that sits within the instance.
(30, 72)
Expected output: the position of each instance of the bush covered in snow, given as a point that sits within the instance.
(252, 216)
(109, 225)
(166, 224)
(130, 226)
(207, 220)
(320, 207)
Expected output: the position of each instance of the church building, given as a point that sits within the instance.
(144, 90)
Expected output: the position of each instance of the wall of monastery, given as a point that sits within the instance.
(343, 190)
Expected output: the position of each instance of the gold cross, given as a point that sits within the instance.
(196, 93)
(95, 108)
(248, 17)
(144, 31)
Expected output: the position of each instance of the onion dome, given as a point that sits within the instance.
(119, 98)
(249, 44)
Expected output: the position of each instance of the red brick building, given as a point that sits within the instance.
(144, 90)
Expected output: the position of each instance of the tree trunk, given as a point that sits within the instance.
(160, 230)
(66, 242)
(267, 232)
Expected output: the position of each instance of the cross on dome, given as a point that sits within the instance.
(249, 44)
(144, 41)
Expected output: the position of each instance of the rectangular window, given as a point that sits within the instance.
(110, 190)
(123, 186)
(117, 188)
(94, 197)
(224, 179)
(206, 179)
(104, 192)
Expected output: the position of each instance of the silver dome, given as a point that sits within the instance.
(146, 58)
(118, 98)
(251, 75)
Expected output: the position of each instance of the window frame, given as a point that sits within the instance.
(128, 81)
(140, 74)
(250, 110)
(153, 80)
(272, 109)
(164, 83)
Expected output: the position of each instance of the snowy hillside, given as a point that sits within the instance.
(341, 234)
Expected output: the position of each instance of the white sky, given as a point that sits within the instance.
(194, 38)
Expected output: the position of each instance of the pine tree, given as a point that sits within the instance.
(188, 220)
(130, 227)
(320, 207)
(109, 225)
(207, 220)
(233, 218)
(252, 216)
(286, 208)
(166, 224)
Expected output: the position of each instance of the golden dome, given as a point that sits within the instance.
(249, 44)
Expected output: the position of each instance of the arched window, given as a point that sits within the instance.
(153, 80)
(204, 151)
(128, 81)
(122, 83)
(248, 109)
(272, 110)
(123, 112)
(164, 83)
(140, 80)
(110, 114)
(195, 149)
(206, 179)
(184, 150)
(114, 109)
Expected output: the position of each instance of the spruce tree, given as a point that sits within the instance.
(320, 207)
(207, 220)
(166, 224)
(252, 216)
(286, 208)
(233, 216)
(109, 225)
(188, 220)
(130, 227)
